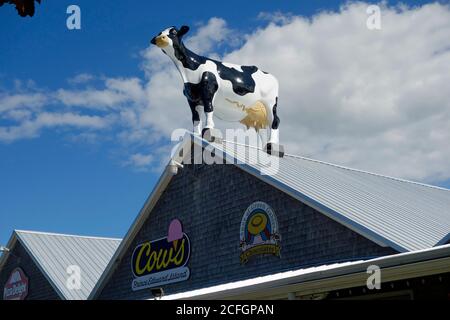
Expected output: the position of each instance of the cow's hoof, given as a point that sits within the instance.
(274, 149)
(212, 135)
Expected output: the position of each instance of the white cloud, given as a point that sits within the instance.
(31, 127)
(117, 92)
(81, 78)
(21, 100)
(140, 161)
(276, 17)
(209, 36)
(47, 119)
(375, 100)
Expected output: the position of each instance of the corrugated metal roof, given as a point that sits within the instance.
(54, 253)
(402, 214)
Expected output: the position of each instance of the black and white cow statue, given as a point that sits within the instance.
(231, 92)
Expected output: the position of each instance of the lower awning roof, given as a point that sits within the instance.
(327, 277)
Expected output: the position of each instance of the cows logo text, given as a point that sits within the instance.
(163, 261)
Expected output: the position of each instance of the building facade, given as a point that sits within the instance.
(228, 230)
(211, 213)
(237, 225)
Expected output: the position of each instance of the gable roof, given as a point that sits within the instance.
(53, 253)
(404, 215)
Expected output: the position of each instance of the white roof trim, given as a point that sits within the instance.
(66, 235)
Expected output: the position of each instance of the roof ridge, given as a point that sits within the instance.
(65, 235)
(368, 172)
(344, 167)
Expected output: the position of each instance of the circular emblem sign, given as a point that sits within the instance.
(16, 288)
(259, 232)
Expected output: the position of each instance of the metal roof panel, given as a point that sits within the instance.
(56, 252)
(408, 215)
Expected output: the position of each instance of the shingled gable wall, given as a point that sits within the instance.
(210, 201)
(38, 286)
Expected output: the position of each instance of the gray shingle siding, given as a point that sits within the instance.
(210, 201)
(39, 287)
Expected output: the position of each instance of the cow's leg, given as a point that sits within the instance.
(196, 121)
(273, 147)
(274, 136)
(209, 88)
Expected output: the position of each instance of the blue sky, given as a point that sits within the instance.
(55, 181)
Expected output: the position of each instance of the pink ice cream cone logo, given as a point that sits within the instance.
(175, 232)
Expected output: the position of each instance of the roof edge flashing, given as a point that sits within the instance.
(143, 214)
(65, 235)
(444, 240)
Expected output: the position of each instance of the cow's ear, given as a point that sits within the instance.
(183, 30)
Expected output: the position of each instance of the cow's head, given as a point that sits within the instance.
(170, 37)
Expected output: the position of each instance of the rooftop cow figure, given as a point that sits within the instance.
(231, 92)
